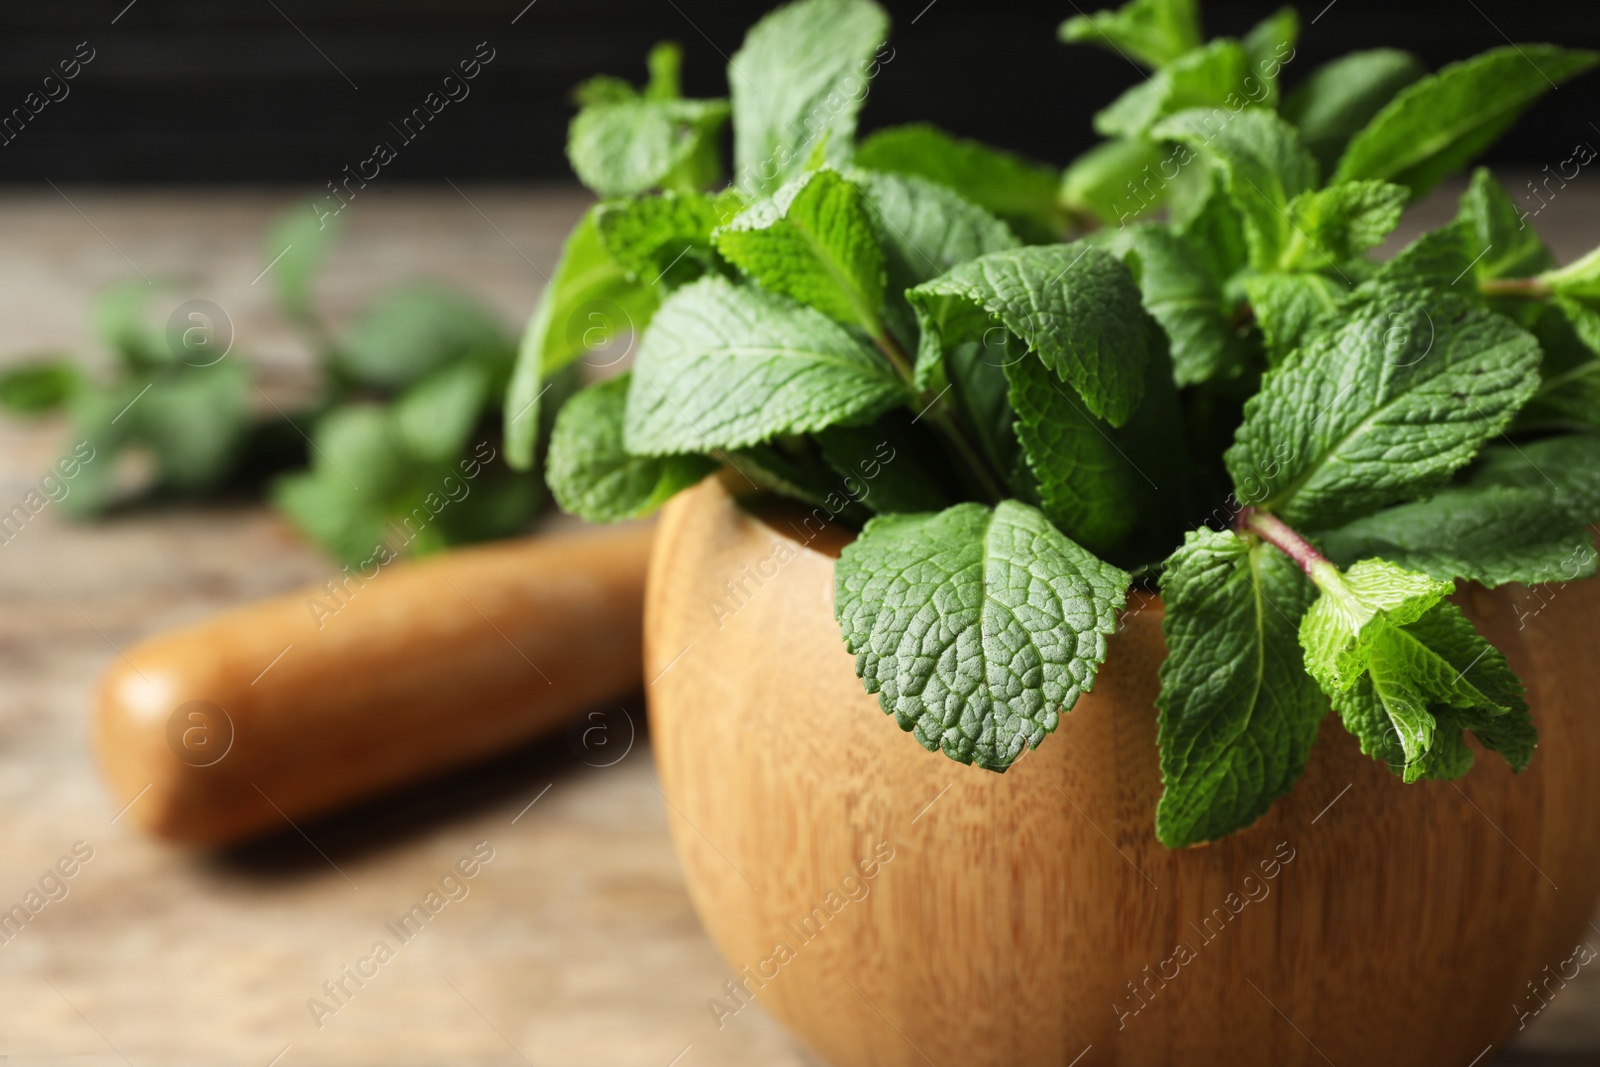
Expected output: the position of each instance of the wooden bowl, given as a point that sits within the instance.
(894, 907)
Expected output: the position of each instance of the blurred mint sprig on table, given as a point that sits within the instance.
(399, 449)
(1302, 447)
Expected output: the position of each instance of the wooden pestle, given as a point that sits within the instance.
(292, 707)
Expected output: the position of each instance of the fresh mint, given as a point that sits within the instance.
(1029, 393)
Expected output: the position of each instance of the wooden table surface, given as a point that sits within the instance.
(575, 945)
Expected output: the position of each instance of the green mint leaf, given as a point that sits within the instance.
(1210, 77)
(1155, 32)
(1286, 306)
(297, 245)
(435, 416)
(813, 241)
(1450, 635)
(195, 421)
(1569, 392)
(592, 476)
(1085, 483)
(1264, 164)
(623, 142)
(1021, 192)
(723, 367)
(323, 507)
(1238, 713)
(798, 84)
(591, 302)
(1341, 222)
(1076, 306)
(413, 329)
(1269, 46)
(1437, 261)
(1506, 246)
(1523, 514)
(663, 240)
(1094, 186)
(1419, 690)
(1184, 294)
(924, 230)
(1357, 607)
(1382, 409)
(1579, 280)
(624, 148)
(977, 628)
(1341, 96)
(39, 386)
(1437, 125)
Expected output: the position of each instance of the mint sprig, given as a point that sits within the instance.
(1305, 450)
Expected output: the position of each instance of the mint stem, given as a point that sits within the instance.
(1280, 535)
(938, 412)
(1527, 288)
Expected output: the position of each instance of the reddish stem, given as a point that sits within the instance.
(1280, 535)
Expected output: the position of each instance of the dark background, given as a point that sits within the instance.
(190, 91)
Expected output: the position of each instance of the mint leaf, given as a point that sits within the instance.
(1419, 690)
(321, 504)
(1076, 306)
(623, 142)
(436, 415)
(1509, 247)
(1339, 223)
(1085, 483)
(1238, 713)
(976, 627)
(297, 244)
(1264, 164)
(1341, 96)
(1523, 514)
(1155, 32)
(1381, 409)
(592, 476)
(414, 329)
(590, 302)
(813, 241)
(39, 386)
(1356, 608)
(662, 240)
(1205, 78)
(1182, 293)
(1094, 185)
(1265, 47)
(1021, 192)
(1435, 126)
(1286, 306)
(724, 367)
(924, 230)
(798, 83)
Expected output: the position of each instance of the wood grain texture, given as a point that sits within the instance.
(1033, 918)
(300, 704)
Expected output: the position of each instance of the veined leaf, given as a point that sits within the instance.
(723, 367)
(663, 240)
(1155, 32)
(1286, 305)
(1522, 515)
(1209, 77)
(1017, 190)
(1339, 223)
(1238, 713)
(976, 627)
(813, 241)
(1076, 306)
(1184, 295)
(799, 82)
(1340, 97)
(1264, 163)
(1437, 125)
(592, 476)
(1382, 409)
(1358, 606)
(590, 303)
